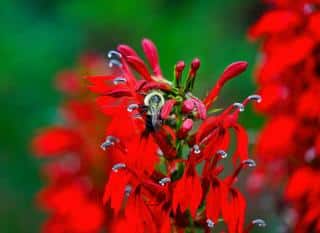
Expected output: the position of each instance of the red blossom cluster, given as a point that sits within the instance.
(167, 145)
(289, 79)
(77, 168)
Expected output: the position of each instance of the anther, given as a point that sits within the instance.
(255, 97)
(132, 107)
(110, 141)
(114, 62)
(164, 181)
(245, 163)
(249, 163)
(210, 223)
(114, 57)
(239, 106)
(127, 190)
(256, 222)
(113, 53)
(118, 166)
(118, 80)
(259, 222)
(222, 154)
(196, 149)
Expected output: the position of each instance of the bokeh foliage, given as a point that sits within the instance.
(40, 37)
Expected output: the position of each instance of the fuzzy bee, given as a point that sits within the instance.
(153, 103)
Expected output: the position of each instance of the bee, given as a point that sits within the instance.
(153, 103)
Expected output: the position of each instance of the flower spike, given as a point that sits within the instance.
(158, 136)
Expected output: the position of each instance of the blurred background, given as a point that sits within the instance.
(39, 38)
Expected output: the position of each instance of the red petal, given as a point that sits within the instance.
(167, 108)
(151, 53)
(314, 23)
(285, 54)
(55, 141)
(230, 72)
(275, 21)
(213, 205)
(195, 190)
(126, 50)
(139, 66)
(115, 189)
(242, 144)
(300, 184)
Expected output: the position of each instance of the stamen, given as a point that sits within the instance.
(222, 154)
(239, 106)
(259, 222)
(256, 222)
(114, 62)
(113, 53)
(249, 163)
(118, 166)
(127, 190)
(118, 80)
(245, 163)
(196, 149)
(164, 181)
(210, 223)
(132, 107)
(255, 97)
(114, 57)
(110, 141)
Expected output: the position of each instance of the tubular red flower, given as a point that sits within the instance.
(154, 125)
(230, 72)
(144, 166)
(76, 176)
(288, 76)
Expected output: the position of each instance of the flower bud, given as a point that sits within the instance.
(178, 69)
(185, 128)
(188, 106)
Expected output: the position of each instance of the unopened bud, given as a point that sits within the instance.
(188, 106)
(179, 67)
(185, 128)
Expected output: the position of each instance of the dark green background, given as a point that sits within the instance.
(39, 38)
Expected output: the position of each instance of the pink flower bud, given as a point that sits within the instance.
(195, 65)
(188, 106)
(185, 128)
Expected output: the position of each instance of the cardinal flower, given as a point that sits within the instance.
(159, 133)
(288, 77)
(76, 167)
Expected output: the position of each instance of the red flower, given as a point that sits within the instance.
(76, 172)
(54, 141)
(154, 185)
(289, 79)
(303, 192)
